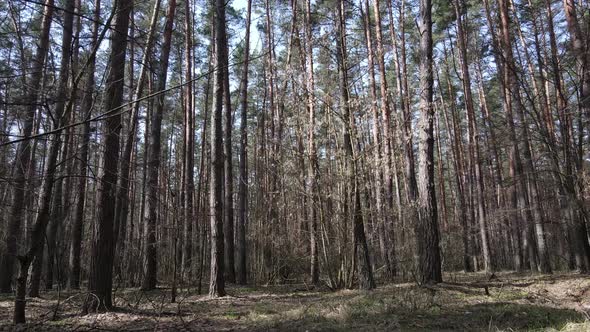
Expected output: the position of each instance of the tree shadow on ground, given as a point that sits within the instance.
(454, 306)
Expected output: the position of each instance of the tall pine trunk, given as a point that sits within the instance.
(100, 282)
(189, 145)
(426, 227)
(217, 280)
(122, 200)
(386, 223)
(352, 193)
(312, 164)
(153, 166)
(241, 266)
(228, 192)
(78, 221)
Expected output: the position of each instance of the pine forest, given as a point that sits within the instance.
(300, 165)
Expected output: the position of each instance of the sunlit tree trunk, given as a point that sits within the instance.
(426, 227)
(241, 266)
(386, 223)
(217, 281)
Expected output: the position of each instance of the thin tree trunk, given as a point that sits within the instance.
(375, 133)
(473, 139)
(311, 182)
(509, 90)
(410, 170)
(386, 226)
(360, 247)
(563, 175)
(456, 147)
(241, 265)
(217, 281)
(228, 204)
(189, 143)
(153, 171)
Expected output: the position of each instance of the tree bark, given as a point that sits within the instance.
(151, 215)
(426, 227)
(386, 222)
(241, 264)
(101, 266)
(217, 280)
(122, 200)
(228, 204)
(375, 133)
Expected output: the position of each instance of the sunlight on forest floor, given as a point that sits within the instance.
(514, 303)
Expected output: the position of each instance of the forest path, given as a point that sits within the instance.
(514, 302)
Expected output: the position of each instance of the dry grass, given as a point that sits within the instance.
(514, 303)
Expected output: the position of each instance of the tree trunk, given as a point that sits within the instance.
(241, 266)
(189, 145)
(580, 46)
(375, 134)
(23, 153)
(563, 175)
(360, 247)
(228, 204)
(122, 200)
(509, 90)
(151, 215)
(311, 182)
(426, 228)
(473, 139)
(456, 147)
(43, 216)
(101, 266)
(217, 281)
(386, 222)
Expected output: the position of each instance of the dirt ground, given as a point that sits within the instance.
(465, 302)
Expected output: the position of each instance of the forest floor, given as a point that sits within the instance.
(465, 302)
